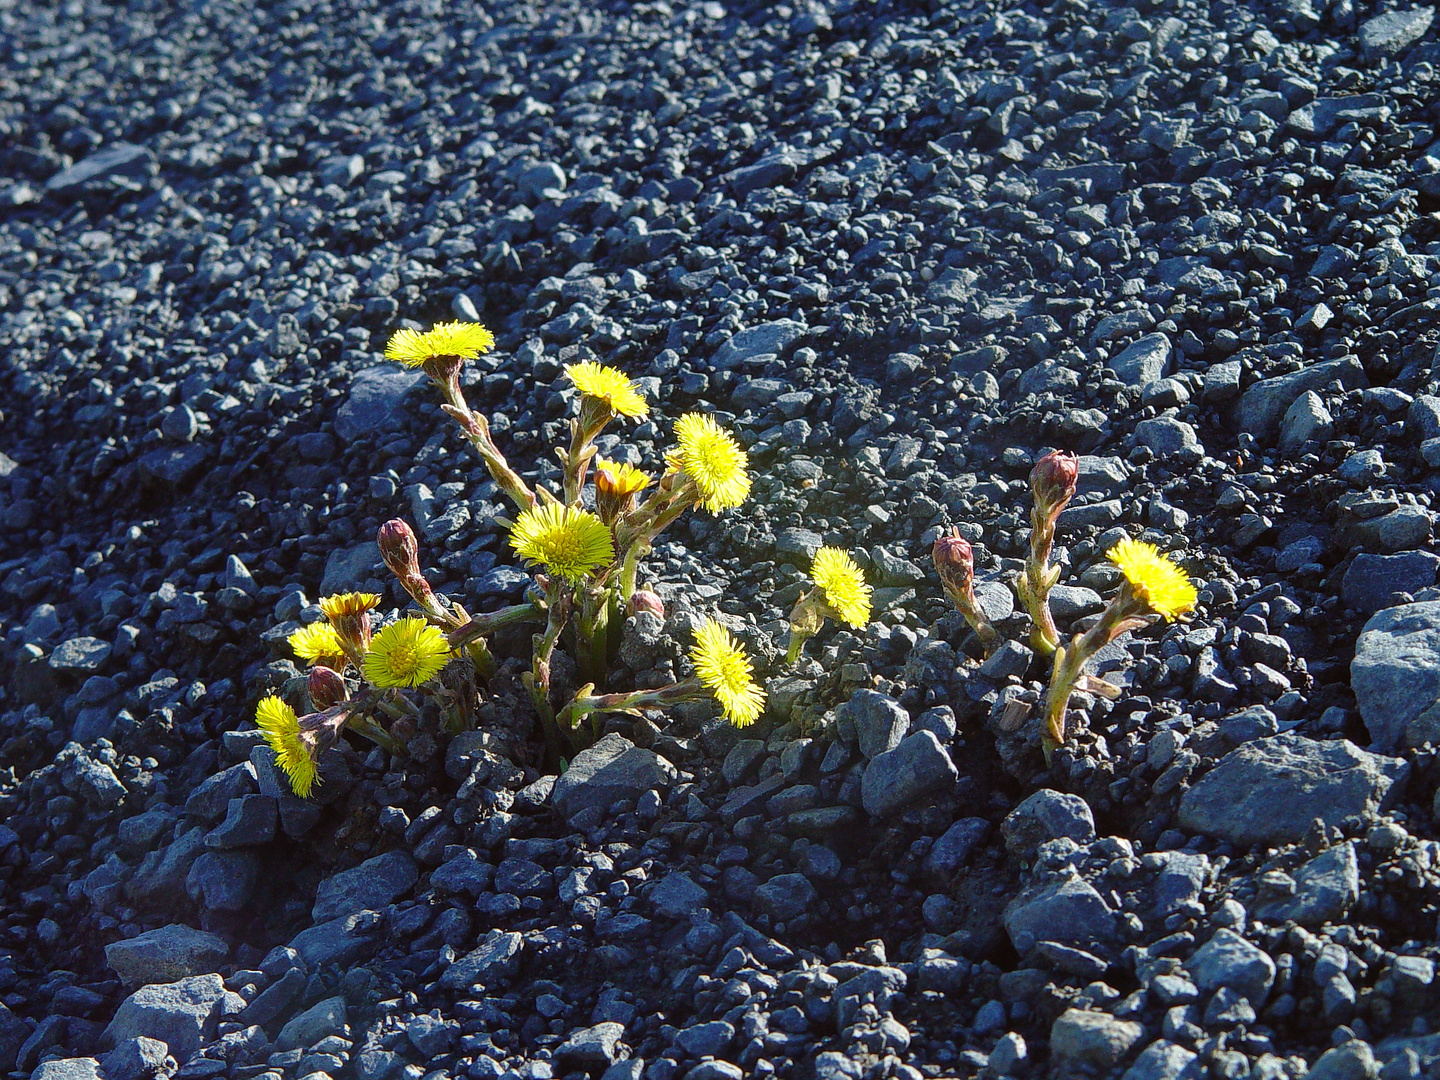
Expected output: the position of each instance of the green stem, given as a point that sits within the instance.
(490, 621)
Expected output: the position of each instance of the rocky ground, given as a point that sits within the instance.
(901, 248)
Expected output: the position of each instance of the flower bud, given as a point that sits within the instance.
(327, 687)
(955, 563)
(399, 548)
(645, 600)
(1052, 480)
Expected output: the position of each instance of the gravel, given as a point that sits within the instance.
(904, 250)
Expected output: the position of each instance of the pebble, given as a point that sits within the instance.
(1047, 815)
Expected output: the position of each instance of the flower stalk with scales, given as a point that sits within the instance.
(1052, 486)
(1151, 585)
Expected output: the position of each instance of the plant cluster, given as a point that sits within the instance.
(585, 540)
(1151, 585)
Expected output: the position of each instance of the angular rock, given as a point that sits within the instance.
(676, 895)
(916, 767)
(495, 960)
(767, 339)
(1387, 35)
(338, 941)
(1396, 676)
(139, 1058)
(611, 770)
(1144, 361)
(1094, 1039)
(373, 405)
(785, 896)
(593, 1048)
(168, 954)
(879, 722)
(1047, 815)
(1372, 581)
(1065, 909)
(1164, 1060)
(322, 1019)
(369, 886)
(953, 847)
(1227, 959)
(1326, 888)
(1269, 791)
(118, 159)
(1305, 421)
(1353, 1060)
(1264, 404)
(181, 1014)
(86, 1068)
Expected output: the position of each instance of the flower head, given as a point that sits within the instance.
(406, 653)
(1053, 480)
(844, 585)
(342, 605)
(710, 456)
(1154, 578)
(608, 385)
(955, 563)
(723, 668)
(327, 687)
(465, 340)
(568, 541)
(616, 486)
(316, 642)
(282, 731)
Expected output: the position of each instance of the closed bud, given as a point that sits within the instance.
(399, 548)
(1052, 480)
(645, 600)
(954, 562)
(327, 687)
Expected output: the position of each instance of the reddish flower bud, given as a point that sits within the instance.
(327, 687)
(955, 563)
(645, 600)
(1052, 480)
(399, 548)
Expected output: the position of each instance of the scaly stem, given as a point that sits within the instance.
(477, 430)
(490, 621)
(559, 601)
(1039, 577)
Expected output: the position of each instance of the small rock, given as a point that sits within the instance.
(1227, 959)
(1166, 436)
(1143, 362)
(1047, 815)
(952, 850)
(1396, 676)
(1065, 909)
(676, 895)
(168, 954)
(1306, 420)
(916, 767)
(369, 886)
(612, 770)
(593, 1048)
(879, 722)
(1387, 35)
(321, 1020)
(710, 1039)
(373, 405)
(1093, 1039)
(139, 1058)
(1264, 404)
(1353, 1060)
(495, 960)
(86, 1068)
(1326, 888)
(80, 655)
(1163, 1060)
(785, 896)
(1371, 581)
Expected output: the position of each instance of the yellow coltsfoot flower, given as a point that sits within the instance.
(1154, 578)
(843, 584)
(408, 652)
(608, 385)
(710, 456)
(465, 340)
(568, 542)
(282, 731)
(616, 486)
(317, 642)
(723, 668)
(343, 605)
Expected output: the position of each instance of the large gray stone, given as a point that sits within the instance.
(1306, 420)
(165, 955)
(117, 159)
(494, 960)
(770, 338)
(1264, 404)
(86, 1068)
(1387, 35)
(611, 770)
(914, 769)
(139, 1058)
(375, 397)
(181, 1014)
(1047, 815)
(1165, 1060)
(321, 1020)
(1227, 959)
(593, 1048)
(676, 895)
(339, 941)
(369, 886)
(1396, 675)
(1144, 361)
(348, 568)
(1326, 888)
(1270, 790)
(1372, 581)
(1066, 909)
(1353, 1060)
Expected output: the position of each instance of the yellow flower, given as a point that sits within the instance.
(406, 653)
(463, 339)
(569, 542)
(350, 603)
(619, 480)
(844, 585)
(282, 731)
(607, 384)
(724, 669)
(316, 642)
(1154, 578)
(711, 457)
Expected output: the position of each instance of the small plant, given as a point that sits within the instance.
(840, 593)
(1152, 585)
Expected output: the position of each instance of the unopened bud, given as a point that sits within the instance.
(1052, 480)
(399, 548)
(954, 562)
(327, 687)
(645, 600)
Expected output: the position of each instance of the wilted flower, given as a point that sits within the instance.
(281, 728)
(349, 614)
